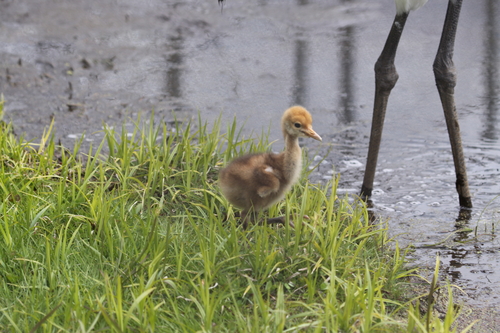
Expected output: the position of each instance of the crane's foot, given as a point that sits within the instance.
(365, 193)
(464, 216)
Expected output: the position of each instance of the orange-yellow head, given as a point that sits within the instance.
(297, 122)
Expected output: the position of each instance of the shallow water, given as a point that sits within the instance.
(84, 62)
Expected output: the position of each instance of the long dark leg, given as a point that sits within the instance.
(246, 216)
(444, 72)
(275, 220)
(280, 220)
(386, 77)
(249, 216)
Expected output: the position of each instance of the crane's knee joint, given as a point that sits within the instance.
(444, 73)
(386, 76)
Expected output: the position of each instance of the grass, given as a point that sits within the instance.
(140, 240)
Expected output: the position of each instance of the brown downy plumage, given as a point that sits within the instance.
(256, 181)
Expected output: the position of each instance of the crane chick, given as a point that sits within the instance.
(256, 181)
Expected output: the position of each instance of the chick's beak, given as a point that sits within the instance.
(312, 134)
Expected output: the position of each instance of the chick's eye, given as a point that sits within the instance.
(297, 125)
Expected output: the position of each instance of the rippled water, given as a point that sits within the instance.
(83, 62)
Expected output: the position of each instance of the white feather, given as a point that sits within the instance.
(405, 6)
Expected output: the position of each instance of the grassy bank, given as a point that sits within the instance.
(140, 240)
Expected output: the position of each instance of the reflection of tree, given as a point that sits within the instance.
(299, 86)
(346, 75)
(491, 71)
(174, 62)
(300, 67)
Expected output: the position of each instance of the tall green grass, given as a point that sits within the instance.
(140, 240)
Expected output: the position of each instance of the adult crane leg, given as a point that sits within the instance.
(444, 72)
(386, 77)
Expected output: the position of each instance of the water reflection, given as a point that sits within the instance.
(491, 72)
(300, 66)
(174, 63)
(459, 253)
(346, 75)
(300, 77)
